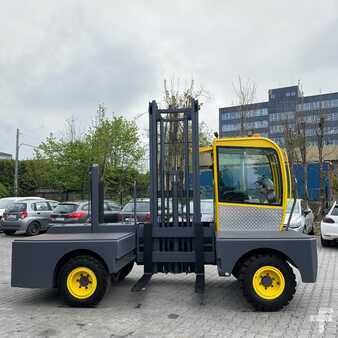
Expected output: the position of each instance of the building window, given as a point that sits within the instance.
(230, 116)
(316, 105)
(231, 127)
(283, 116)
(310, 132)
(279, 140)
(256, 124)
(276, 129)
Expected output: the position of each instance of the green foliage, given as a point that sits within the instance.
(66, 163)
(205, 135)
(3, 190)
(114, 144)
(7, 175)
(335, 183)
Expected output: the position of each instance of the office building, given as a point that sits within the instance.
(284, 107)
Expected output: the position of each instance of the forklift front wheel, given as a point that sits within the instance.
(83, 281)
(267, 282)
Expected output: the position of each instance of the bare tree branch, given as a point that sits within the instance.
(245, 91)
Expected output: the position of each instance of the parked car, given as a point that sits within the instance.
(302, 217)
(142, 211)
(53, 203)
(7, 201)
(329, 226)
(207, 210)
(29, 215)
(79, 212)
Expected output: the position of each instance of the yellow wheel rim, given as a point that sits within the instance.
(268, 282)
(81, 282)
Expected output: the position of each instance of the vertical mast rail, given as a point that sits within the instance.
(198, 243)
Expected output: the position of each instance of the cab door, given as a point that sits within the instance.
(250, 184)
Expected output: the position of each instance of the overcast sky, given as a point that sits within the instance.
(60, 59)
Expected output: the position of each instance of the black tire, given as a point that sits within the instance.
(9, 232)
(123, 273)
(101, 276)
(33, 229)
(312, 232)
(235, 272)
(246, 277)
(325, 242)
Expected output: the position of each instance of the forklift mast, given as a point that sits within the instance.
(173, 241)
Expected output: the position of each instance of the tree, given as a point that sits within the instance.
(7, 174)
(3, 191)
(114, 144)
(205, 135)
(320, 146)
(245, 91)
(290, 144)
(67, 163)
(175, 98)
(302, 145)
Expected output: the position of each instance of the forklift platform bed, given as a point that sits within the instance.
(31, 269)
(290, 234)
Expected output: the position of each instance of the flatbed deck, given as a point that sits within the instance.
(31, 269)
(290, 234)
(79, 237)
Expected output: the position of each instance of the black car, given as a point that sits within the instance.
(142, 211)
(79, 212)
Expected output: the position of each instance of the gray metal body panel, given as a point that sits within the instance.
(299, 249)
(86, 228)
(249, 218)
(34, 260)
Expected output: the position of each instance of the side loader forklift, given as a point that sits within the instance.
(246, 239)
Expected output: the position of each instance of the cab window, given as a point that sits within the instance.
(249, 176)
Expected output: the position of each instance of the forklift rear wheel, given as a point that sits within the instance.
(267, 282)
(83, 281)
(123, 273)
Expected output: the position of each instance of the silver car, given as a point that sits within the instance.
(302, 217)
(7, 201)
(30, 216)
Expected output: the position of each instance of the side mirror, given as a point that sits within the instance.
(307, 211)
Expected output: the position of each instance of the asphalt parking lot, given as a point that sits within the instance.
(170, 308)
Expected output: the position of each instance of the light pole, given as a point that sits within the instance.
(16, 167)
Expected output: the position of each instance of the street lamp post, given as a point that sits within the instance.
(16, 168)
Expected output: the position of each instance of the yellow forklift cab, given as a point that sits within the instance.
(250, 183)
